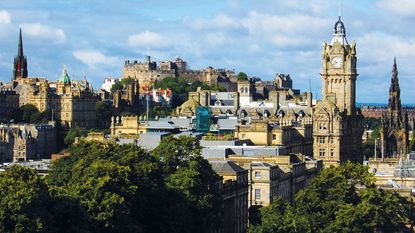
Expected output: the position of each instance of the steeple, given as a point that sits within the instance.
(20, 61)
(395, 96)
(20, 49)
(339, 31)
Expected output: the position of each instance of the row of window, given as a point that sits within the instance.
(322, 140)
(322, 152)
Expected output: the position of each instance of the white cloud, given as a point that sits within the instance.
(148, 39)
(5, 17)
(399, 7)
(92, 58)
(44, 32)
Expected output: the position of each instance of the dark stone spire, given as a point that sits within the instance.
(395, 108)
(20, 61)
(20, 49)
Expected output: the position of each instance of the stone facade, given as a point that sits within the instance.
(71, 103)
(126, 125)
(235, 196)
(394, 127)
(9, 100)
(336, 120)
(21, 142)
(148, 72)
(128, 99)
(295, 135)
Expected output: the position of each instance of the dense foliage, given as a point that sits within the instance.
(332, 203)
(180, 88)
(241, 76)
(111, 188)
(120, 84)
(73, 133)
(27, 113)
(104, 112)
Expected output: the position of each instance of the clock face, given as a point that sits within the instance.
(337, 62)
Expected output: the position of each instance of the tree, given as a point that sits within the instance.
(120, 84)
(198, 182)
(27, 205)
(74, 133)
(333, 204)
(24, 198)
(122, 189)
(27, 111)
(175, 152)
(104, 111)
(242, 76)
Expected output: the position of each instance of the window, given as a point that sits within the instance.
(322, 126)
(331, 140)
(321, 140)
(257, 194)
(274, 137)
(331, 152)
(322, 152)
(257, 174)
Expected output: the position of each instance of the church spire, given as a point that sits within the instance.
(20, 61)
(20, 49)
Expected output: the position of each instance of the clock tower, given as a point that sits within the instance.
(336, 120)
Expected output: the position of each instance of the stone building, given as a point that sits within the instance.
(71, 103)
(234, 194)
(128, 99)
(394, 124)
(148, 72)
(295, 135)
(126, 125)
(9, 100)
(245, 103)
(337, 127)
(21, 142)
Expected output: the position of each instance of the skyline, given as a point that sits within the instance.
(258, 39)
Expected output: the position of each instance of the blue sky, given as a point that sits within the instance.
(259, 37)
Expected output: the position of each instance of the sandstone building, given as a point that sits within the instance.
(21, 142)
(337, 131)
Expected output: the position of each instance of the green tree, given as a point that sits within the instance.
(196, 180)
(120, 84)
(332, 203)
(74, 133)
(175, 152)
(241, 76)
(28, 110)
(23, 199)
(104, 111)
(122, 189)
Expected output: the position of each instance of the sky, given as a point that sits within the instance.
(259, 37)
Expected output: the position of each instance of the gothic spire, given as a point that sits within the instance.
(20, 61)
(395, 93)
(20, 48)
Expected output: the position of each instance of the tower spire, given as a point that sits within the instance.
(20, 49)
(20, 61)
(340, 10)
